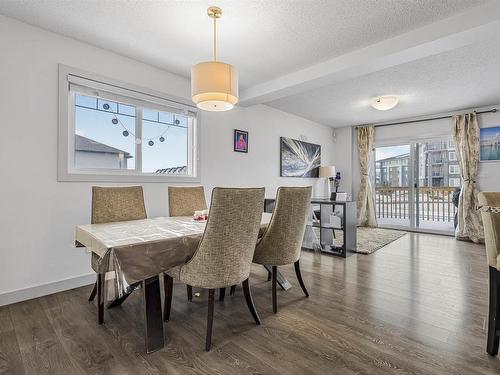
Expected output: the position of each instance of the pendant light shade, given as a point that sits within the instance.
(214, 84)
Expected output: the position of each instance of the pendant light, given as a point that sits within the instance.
(214, 84)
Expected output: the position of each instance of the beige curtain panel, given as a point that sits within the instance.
(365, 202)
(466, 137)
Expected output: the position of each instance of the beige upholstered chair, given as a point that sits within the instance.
(282, 241)
(489, 204)
(224, 255)
(110, 204)
(184, 201)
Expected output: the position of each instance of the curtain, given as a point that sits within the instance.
(466, 137)
(365, 202)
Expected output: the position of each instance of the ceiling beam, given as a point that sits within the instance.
(464, 29)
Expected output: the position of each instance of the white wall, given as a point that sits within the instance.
(343, 157)
(489, 172)
(38, 214)
(260, 167)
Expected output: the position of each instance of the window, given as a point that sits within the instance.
(115, 133)
(454, 169)
(454, 182)
(102, 138)
(452, 156)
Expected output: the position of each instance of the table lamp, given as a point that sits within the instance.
(329, 173)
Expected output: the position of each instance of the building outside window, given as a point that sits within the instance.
(393, 171)
(92, 154)
(438, 166)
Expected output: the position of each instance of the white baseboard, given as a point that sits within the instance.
(45, 289)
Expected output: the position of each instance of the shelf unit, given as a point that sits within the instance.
(348, 226)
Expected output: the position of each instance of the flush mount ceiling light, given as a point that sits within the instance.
(214, 84)
(384, 103)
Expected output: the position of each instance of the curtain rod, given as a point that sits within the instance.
(426, 119)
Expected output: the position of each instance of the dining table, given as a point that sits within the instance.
(134, 253)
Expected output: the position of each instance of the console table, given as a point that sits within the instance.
(326, 229)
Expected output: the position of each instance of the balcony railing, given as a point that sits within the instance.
(434, 203)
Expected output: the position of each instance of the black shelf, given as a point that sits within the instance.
(326, 227)
(348, 228)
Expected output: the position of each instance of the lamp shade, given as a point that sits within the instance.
(214, 86)
(327, 171)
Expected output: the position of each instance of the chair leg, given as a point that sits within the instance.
(100, 297)
(233, 290)
(251, 306)
(299, 277)
(210, 319)
(274, 281)
(494, 313)
(189, 292)
(168, 283)
(222, 293)
(94, 292)
(269, 276)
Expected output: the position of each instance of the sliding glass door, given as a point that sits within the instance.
(438, 177)
(415, 183)
(393, 192)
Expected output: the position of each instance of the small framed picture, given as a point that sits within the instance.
(240, 140)
(489, 149)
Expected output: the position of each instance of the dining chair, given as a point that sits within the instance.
(282, 241)
(489, 205)
(184, 201)
(224, 255)
(110, 204)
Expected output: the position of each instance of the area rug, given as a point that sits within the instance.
(371, 239)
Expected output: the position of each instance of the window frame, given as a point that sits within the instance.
(455, 179)
(455, 167)
(66, 170)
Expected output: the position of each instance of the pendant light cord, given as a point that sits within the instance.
(215, 39)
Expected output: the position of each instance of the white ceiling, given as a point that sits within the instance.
(264, 39)
(459, 79)
(319, 59)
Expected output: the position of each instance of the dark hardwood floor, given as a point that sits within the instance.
(417, 306)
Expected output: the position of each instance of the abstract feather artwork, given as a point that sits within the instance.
(299, 159)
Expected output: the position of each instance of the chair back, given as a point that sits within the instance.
(491, 222)
(117, 204)
(185, 200)
(282, 241)
(224, 255)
